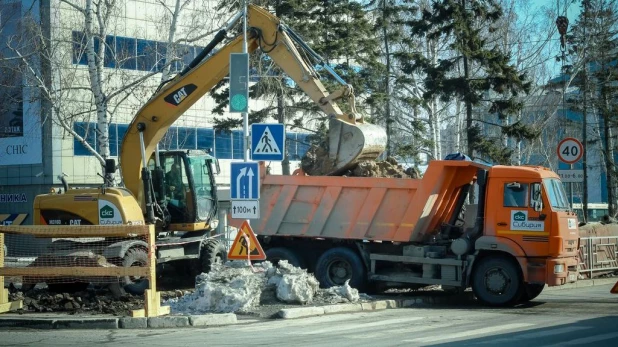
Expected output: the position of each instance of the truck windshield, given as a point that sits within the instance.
(555, 193)
(204, 189)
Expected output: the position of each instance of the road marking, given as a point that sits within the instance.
(358, 327)
(393, 332)
(282, 324)
(586, 340)
(462, 334)
(537, 334)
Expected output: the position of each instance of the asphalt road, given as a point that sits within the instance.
(572, 317)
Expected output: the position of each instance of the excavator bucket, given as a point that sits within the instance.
(351, 143)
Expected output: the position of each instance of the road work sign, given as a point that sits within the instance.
(267, 141)
(246, 245)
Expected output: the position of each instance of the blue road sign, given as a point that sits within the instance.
(267, 141)
(245, 181)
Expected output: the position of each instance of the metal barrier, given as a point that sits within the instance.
(598, 255)
(70, 259)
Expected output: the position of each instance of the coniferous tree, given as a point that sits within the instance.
(593, 40)
(338, 31)
(477, 72)
(395, 95)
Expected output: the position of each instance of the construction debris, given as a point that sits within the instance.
(236, 287)
(317, 163)
(84, 302)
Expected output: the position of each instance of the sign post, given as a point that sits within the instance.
(570, 151)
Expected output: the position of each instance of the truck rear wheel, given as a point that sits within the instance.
(274, 255)
(337, 265)
(497, 281)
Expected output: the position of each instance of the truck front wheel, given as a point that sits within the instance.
(496, 281)
(337, 265)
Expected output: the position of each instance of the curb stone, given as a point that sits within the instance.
(86, 323)
(212, 319)
(168, 322)
(133, 323)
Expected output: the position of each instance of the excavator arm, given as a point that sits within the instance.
(350, 137)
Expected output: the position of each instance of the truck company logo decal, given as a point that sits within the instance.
(109, 213)
(520, 221)
(178, 95)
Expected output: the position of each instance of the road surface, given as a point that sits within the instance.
(571, 317)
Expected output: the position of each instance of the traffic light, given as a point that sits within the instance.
(239, 82)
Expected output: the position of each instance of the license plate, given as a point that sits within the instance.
(572, 277)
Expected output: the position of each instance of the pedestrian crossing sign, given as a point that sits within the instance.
(267, 141)
(246, 245)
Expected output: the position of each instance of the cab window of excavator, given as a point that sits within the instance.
(203, 186)
(176, 181)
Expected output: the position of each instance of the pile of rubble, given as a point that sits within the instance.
(91, 301)
(236, 287)
(316, 162)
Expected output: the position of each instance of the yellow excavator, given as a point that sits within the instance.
(176, 190)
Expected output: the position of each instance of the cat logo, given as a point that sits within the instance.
(178, 95)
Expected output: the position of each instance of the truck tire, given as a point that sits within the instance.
(135, 257)
(212, 252)
(497, 281)
(274, 255)
(531, 291)
(337, 265)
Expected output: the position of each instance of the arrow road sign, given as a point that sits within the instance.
(267, 141)
(245, 181)
(246, 209)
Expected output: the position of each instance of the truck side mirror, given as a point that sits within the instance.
(535, 199)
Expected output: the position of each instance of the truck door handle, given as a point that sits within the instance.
(502, 224)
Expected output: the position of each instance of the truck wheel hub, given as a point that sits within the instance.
(496, 281)
(339, 272)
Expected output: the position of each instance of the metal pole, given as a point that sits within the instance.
(245, 115)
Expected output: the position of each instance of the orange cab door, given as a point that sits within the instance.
(517, 219)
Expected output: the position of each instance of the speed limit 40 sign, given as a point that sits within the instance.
(570, 150)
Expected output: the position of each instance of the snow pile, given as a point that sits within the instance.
(340, 294)
(293, 285)
(235, 287)
(228, 288)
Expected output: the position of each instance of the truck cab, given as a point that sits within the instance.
(528, 215)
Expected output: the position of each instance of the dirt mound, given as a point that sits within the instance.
(90, 301)
(317, 163)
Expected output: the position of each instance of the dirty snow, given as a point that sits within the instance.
(236, 287)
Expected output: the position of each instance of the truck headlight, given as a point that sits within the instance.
(558, 268)
(214, 224)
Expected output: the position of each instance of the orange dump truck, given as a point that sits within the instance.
(380, 232)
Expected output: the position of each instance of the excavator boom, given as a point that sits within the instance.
(350, 138)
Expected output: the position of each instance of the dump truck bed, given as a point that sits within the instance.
(363, 208)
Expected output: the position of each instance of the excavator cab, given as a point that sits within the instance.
(185, 188)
